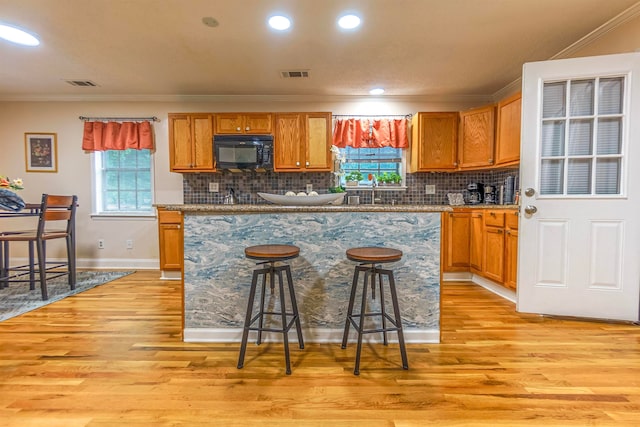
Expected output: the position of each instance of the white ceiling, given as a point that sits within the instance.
(410, 47)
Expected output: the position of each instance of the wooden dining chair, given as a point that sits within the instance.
(56, 220)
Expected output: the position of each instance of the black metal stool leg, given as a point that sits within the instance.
(396, 312)
(382, 307)
(262, 294)
(294, 306)
(247, 319)
(285, 330)
(360, 328)
(352, 298)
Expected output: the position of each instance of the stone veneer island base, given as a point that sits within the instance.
(217, 275)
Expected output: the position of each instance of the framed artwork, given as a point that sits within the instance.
(41, 152)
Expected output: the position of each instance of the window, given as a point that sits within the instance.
(375, 161)
(123, 182)
(582, 128)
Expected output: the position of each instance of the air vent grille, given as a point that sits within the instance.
(294, 74)
(81, 83)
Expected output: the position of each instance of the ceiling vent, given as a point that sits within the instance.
(81, 83)
(294, 74)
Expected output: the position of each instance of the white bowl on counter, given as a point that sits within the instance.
(317, 200)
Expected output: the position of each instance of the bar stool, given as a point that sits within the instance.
(268, 255)
(368, 257)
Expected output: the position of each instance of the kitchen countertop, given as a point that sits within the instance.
(264, 208)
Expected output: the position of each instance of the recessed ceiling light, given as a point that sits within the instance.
(279, 22)
(376, 91)
(349, 22)
(18, 36)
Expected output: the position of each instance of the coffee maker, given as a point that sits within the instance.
(476, 191)
(490, 194)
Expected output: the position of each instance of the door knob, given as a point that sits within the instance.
(530, 209)
(529, 192)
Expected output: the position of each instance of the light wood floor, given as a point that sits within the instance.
(113, 356)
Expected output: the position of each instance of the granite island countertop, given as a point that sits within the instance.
(265, 208)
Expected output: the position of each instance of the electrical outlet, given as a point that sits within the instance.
(309, 188)
(129, 244)
(100, 243)
(430, 189)
(213, 187)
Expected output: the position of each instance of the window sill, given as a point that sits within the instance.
(378, 188)
(142, 216)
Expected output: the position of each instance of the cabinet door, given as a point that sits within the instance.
(258, 123)
(288, 147)
(434, 141)
(318, 136)
(202, 137)
(508, 130)
(180, 143)
(494, 254)
(171, 240)
(475, 149)
(456, 241)
(229, 123)
(511, 259)
(477, 242)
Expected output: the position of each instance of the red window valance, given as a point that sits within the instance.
(370, 133)
(102, 136)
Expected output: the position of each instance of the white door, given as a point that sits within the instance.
(579, 248)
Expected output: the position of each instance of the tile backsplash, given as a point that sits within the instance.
(246, 185)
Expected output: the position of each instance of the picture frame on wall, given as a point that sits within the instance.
(41, 152)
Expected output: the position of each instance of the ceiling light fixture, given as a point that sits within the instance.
(279, 22)
(349, 22)
(16, 35)
(376, 91)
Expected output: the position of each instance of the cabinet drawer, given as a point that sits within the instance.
(494, 219)
(169, 217)
(512, 219)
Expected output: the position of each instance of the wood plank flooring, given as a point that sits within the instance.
(113, 356)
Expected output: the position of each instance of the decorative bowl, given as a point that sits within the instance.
(320, 199)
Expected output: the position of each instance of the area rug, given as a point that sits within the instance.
(18, 299)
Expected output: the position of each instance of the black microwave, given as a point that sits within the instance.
(252, 152)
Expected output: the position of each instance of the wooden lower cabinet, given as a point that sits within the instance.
(483, 242)
(170, 237)
(477, 242)
(511, 251)
(455, 241)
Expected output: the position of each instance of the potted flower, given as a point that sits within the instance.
(352, 178)
(383, 178)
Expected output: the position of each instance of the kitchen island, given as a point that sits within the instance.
(217, 275)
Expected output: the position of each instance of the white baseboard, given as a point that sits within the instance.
(495, 288)
(231, 335)
(170, 275)
(104, 263)
(462, 276)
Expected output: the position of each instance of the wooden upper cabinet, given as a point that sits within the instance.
(318, 143)
(475, 149)
(302, 142)
(288, 142)
(508, 130)
(244, 123)
(434, 142)
(191, 142)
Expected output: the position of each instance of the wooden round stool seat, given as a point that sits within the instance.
(373, 254)
(272, 252)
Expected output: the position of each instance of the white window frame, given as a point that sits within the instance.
(403, 174)
(97, 190)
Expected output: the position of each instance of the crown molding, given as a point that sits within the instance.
(594, 35)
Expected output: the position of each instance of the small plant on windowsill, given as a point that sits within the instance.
(394, 179)
(383, 179)
(352, 178)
